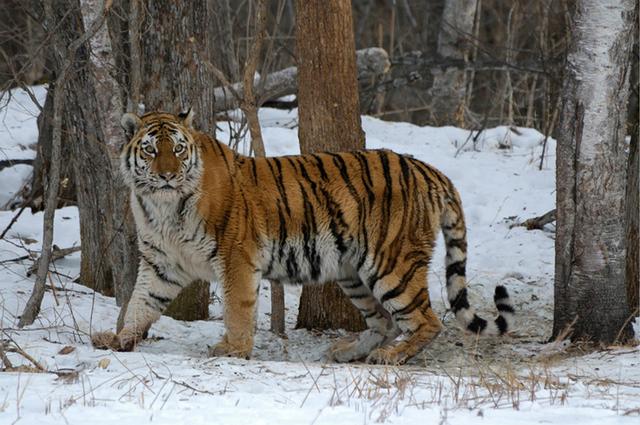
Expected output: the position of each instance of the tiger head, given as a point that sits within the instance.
(161, 158)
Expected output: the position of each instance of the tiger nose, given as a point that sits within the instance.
(167, 176)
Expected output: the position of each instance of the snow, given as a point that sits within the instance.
(456, 380)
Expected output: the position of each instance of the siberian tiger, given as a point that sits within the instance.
(367, 220)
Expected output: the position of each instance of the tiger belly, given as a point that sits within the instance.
(299, 261)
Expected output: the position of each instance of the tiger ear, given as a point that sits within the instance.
(130, 123)
(187, 117)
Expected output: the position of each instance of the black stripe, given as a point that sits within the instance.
(221, 151)
(283, 231)
(336, 222)
(319, 164)
(254, 170)
(386, 212)
(366, 177)
(353, 285)
(269, 269)
(291, 163)
(160, 299)
(501, 293)
(305, 175)
(461, 244)
(477, 325)
(277, 177)
(213, 252)
(457, 268)
(505, 308)
(293, 272)
(309, 232)
(159, 273)
(460, 301)
(406, 278)
(417, 301)
(183, 204)
(370, 315)
(502, 325)
(145, 212)
(338, 161)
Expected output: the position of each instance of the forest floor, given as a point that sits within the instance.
(523, 378)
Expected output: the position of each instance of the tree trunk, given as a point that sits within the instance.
(42, 163)
(119, 244)
(329, 119)
(591, 163)
(102, 261)
(632, 271)
(448, 92)
(175, 78)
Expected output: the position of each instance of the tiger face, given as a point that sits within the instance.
(161, 158)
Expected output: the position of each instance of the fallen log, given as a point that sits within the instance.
(371, 62)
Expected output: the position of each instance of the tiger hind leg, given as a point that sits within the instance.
(411, 311)
(380, 326)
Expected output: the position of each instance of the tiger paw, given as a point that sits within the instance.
(346, 350)
(225, 349)
(124, 341)
(105, 340)
(387, 356)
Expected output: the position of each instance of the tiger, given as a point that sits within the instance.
(366, 219)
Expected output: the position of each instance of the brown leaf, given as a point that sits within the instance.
(66, 350)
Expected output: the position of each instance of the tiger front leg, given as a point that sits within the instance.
(151, 295)
(241, 287)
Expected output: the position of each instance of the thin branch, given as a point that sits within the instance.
(249, 104)
(6, 163)
(13, 220)
(538, 223)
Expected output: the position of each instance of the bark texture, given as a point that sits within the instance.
(120, 245)
(632, 271)
(591, 175)
(174, 78)
(104, 264)
(329, 119)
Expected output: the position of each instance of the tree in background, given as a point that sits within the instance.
(591, 176)
(174, 77)
(329, 120)
(632, 270)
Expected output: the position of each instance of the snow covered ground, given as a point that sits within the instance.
(519, 379)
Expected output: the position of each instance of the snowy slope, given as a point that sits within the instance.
(521, 379)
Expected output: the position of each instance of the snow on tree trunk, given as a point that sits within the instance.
(591, 161)
(329, 118)
(449, 84)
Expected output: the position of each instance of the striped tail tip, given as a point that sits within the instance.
(506, 313)
(475, 324)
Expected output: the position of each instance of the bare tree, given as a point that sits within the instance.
(329, 118)
(65, 54)
(449, 84)
(632, 271)
(174, 77)
(591, 163)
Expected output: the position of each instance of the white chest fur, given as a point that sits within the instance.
(172, 234)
